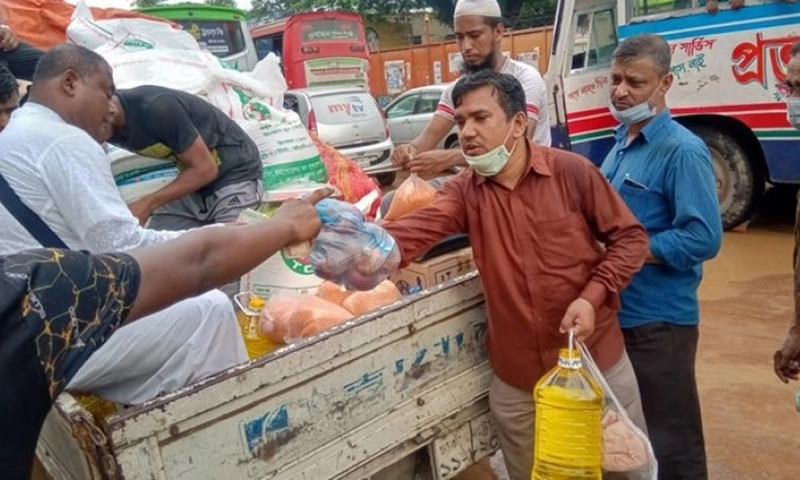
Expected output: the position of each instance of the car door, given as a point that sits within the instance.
(399, 118)
(426, 107)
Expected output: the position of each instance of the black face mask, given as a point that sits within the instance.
(484, 65)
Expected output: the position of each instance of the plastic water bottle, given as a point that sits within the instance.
(256, 343)
(568, 432)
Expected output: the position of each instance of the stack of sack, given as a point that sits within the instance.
(146, 52)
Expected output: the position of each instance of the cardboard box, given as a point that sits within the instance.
(419, 276)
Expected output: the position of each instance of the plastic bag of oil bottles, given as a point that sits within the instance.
(582, 430)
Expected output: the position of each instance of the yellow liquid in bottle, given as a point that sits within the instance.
(569, 407)
(256, 343)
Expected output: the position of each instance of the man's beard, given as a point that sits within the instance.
(484, 65)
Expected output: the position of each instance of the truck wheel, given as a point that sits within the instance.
(739, 183)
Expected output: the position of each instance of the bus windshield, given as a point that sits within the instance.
(220, 37)
(221, 31)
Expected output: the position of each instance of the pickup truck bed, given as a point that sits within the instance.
(398, 393)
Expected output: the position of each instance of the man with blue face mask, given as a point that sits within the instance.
(664, 174)
(536, 218)
(787, 358)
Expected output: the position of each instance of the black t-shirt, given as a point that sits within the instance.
(57, 307)
(162, 122)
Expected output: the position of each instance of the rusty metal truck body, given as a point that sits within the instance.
(398, 393)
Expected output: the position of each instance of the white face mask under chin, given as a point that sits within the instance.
(635, 114)
(492, 162)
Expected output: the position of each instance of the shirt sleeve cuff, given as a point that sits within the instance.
(598, 295)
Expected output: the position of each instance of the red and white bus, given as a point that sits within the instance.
(317, 49)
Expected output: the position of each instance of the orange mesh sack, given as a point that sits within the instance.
(286, 319)
(412, 195)
(347, 176)
(360, 303)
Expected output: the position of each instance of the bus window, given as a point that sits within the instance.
(651, 7)
(222, 38)
(595, 39)
(330, 30)
(269, 44)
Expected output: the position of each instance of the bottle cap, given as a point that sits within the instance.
(570, 359)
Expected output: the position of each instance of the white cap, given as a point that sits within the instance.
(483, 8)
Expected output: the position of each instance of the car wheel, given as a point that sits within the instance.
(739, 183)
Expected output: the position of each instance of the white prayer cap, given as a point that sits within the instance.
(483, 8)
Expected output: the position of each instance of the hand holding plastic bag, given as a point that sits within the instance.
(412, 195)
(626, 449)
(349, 251)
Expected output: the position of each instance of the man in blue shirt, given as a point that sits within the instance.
(787, 358)
(664, 174)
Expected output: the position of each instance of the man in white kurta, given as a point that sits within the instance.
(61, 173)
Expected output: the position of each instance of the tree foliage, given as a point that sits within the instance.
(146, 3)
(517, 13)
(222, 3)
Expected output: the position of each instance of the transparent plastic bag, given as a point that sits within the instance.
(287, 317)
(412, 195)
(627, 452)
(361, 303)
(350, 251)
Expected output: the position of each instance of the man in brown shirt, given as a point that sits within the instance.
(787, 358)
(554, 244)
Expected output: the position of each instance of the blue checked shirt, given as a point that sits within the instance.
(666, 178)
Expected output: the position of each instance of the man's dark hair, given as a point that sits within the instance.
(65, 57)
(796, 49)
(505, 88)
(8, 84)
(652, 46)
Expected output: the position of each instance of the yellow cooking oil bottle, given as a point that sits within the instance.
(248, 314)
(568, 435)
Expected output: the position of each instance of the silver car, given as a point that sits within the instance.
(411, 112)
(350, 120)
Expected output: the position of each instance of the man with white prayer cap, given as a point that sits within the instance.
(479, 29)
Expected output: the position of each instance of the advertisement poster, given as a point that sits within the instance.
(395, 76)
(437, 72)
(456, 61)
